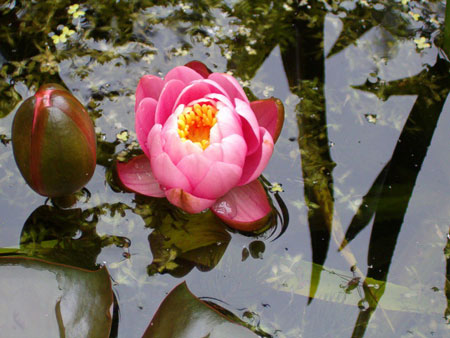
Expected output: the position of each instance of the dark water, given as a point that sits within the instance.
(363, 155)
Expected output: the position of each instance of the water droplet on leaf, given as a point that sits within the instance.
(224, 208)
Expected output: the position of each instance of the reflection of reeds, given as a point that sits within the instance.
(388, 198)
(304, 63)
(317, 169)
(390, 194)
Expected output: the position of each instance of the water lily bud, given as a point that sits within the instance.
(54, 142)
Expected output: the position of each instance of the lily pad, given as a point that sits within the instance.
(182, 315)
(53, 300)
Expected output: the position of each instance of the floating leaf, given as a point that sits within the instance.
(182, 315)
(53, 300)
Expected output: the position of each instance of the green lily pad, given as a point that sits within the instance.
(53, 300)
(182, 315)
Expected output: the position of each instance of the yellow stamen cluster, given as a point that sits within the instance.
(195, 123)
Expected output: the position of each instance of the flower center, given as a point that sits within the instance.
(195, 123)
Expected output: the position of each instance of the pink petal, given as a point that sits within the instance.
(214, 152)
(250, 125)
(201, 90)
(194, 167)
(173, 146)
(230, 84)
(148, 86)
(167, 100)
(154, 141)
(256, 162)
(245, 208)
(219, 179)
(228, 123)
(144, 121)
(184, 74)
(176, 148)
(199, 67)
(217, 88)
(221, 98)
(171, 123)
(234, 150)
(187, 201)
(137, 176)
(270, 115)
(194, 91)
(167, 174)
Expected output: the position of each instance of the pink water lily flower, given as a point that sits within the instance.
(204, 143)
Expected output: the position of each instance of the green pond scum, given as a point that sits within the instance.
(358, 245)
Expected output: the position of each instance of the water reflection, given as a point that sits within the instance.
(179, 244)
(388, 198)
(66, 236)
(119, 42)
(306, 56)
(301, 38)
